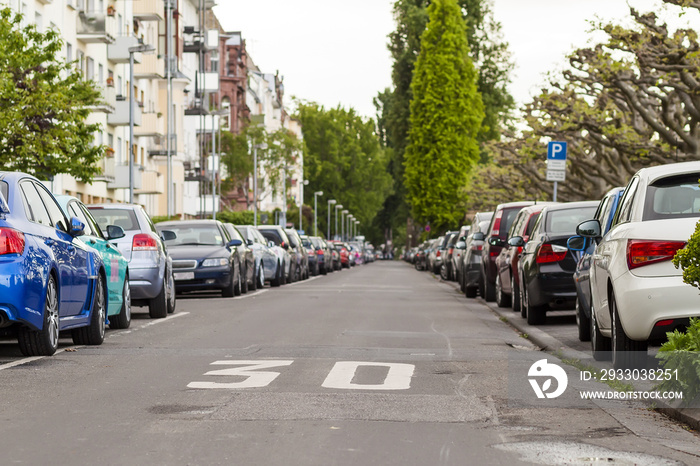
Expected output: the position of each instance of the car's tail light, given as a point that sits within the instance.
(477, 247)
(11, 241)
(663, 323)
(144, 242)
(438, 253)
(550, 253)
(319, 252)
(450, 251)
(643, 252)
(497, 223)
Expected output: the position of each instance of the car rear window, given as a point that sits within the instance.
(507, 220)
(3, 189)
(673, 197)
(564, 222)
(125, 218)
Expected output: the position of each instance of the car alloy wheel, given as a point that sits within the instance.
(43, 342)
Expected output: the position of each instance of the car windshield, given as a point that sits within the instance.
(199, 235)
(3, 189)
(673, 197)
(125, 218)
(564, 222)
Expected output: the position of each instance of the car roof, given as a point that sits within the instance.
(188, 222)
(506, 205)
(571, 205)
(651, 174)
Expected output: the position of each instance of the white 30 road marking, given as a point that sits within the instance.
(254, 379)
(398, 377)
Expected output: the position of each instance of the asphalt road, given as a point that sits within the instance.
(380, 364)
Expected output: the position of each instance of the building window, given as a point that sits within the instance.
(69, 52)
(120, 154)
(214, 61)
(39, 22)
(90, 69)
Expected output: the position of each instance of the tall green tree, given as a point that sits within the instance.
(487, 49)
(345, 159)
(446, 116)
(44, 104)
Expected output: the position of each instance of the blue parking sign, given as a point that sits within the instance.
(556, 150)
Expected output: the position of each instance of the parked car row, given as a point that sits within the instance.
(608, 260)
(66, 267)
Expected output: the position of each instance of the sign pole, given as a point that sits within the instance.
(554, 197)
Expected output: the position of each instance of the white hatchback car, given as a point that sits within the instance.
(637, 294)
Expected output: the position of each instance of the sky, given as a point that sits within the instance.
(334, 52)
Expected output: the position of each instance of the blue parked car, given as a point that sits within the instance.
(49, 280)
(604, 214)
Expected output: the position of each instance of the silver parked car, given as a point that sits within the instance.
(267, 264)
(470, 269)
(150, 266)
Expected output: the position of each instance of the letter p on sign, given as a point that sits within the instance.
(556, 150)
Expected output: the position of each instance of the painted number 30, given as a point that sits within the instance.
(398, 375)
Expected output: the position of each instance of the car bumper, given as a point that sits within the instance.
(22, 295)
(472, 272)
(214, 279)
(145, 283)
(644, 301)
(556, 289)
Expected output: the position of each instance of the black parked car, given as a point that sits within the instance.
(547, 266)
(204, 257)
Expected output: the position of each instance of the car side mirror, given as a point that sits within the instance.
(168, 235)
(516, 242)
(250, 242)
(77, 228)
(270, 244)
(479, 236)
(496, 241)
(589, 229)
(234, 243)
(461, 245)
(576, 243)
(115, 232)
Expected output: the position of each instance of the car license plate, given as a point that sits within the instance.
(183, 276)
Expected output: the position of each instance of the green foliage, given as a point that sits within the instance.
(446, 116)
(275, 150)
(346, 161)
(681, 355)
(44, 104)
(237, 218)
(688, 259)
(164, 218)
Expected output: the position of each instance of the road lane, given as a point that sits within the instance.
(132, 400)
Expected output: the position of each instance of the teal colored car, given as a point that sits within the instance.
(116, 266)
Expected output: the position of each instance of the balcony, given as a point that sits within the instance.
(153, 182)
(121, 177)
(109, 100)
(107, 169)
(120, 116)
(149, 10)
(96, 27)
(152, 66)
(160, 148)
(118, 52)
(151, 125)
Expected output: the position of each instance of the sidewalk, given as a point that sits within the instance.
(552, 345)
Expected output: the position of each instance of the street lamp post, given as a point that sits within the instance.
(350, 217)
(317, 193)
(357, 224)
(337, 207)
(330, 203)
(143, 48)
(342, 224)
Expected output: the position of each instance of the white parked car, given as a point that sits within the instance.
(637, 294)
